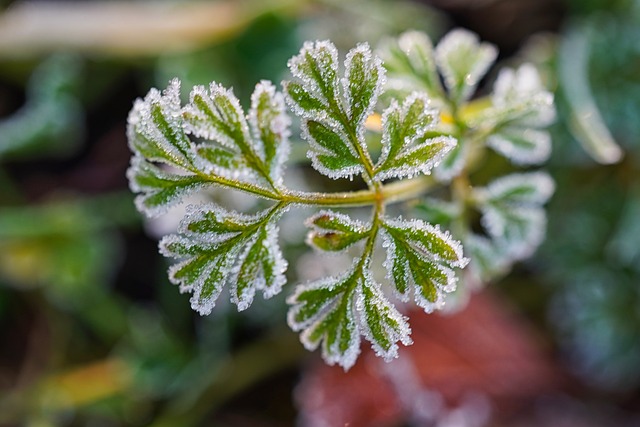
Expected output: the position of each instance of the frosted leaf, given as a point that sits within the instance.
(325, 311)
(316, 67)
(336, 311)
(330, 154)
(270, 126)
(520, 106)
(154, 128)
(452, 163)
(519, 229)
(219, 247)
(521, 146)
(260, 267)
(217, 117)
(333, 114)
(436, 211)
(159, 190)
(382, 325)
(488, 261)
(532, 188)
(333, 231)
(463, 61)
(410, 63)
(519, 98)
(420, 258)
(512, 211)
(158, 131)
(405, 150)
(362, 84)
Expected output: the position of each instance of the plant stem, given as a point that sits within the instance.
(385, 194)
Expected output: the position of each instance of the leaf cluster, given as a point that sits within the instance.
(179, 149)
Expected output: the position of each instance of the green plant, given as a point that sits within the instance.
(209, 141)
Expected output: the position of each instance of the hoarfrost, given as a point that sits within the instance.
(463, 61)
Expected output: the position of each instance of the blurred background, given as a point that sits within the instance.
(92, 333)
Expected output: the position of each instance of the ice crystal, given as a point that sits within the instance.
(405, 149)
(219, 247)
(333, 231)
(512, 211)
(420, 258)
(334, 114)
(521, 107)
(463, 61)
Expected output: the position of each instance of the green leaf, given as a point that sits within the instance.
(219, 247)
(521, 146)
(333, 120)
(325, 311)
(329, 153)
(362, 83)
(533, 188)
(332, 231)
(155, 128)
(453, 162)
(216, 115)
(520, 99)
(463, 61)
(159, 189)
(270, 126)
(382, 324)
(405, 150)
(436, 211)
(420, 259)
(410, 64)
(512, 211)
(520, 106)
(336, 311)
(220, 156)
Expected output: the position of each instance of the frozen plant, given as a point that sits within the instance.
(510, 122)
(180, 149)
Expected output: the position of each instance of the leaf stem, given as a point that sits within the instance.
(380, 194)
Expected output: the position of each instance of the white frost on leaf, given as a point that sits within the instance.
(334, 109)
(334, 231)
(324, 311)
(410, 64)
(463, 60)
(218, 247)
(420, 261)
(335, 312)
(512, 211)
(521, 108)
(406, 152)
(154, 127)
(270, 125)
(382, 324)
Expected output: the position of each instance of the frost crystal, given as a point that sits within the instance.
(463, 61)
(521, 106)
(512, 211)
(420, 259)
(219, 247)
(405, 150)
(338, 310)
(334, 115)
(333, 231)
